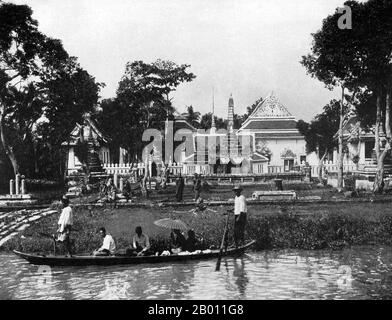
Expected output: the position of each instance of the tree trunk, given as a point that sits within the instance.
(36, 168)
(378, 185)
(340, 147)
(7, 148)
(321, 166)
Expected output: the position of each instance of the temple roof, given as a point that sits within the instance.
(180, 122)
(272, 119)
(271, 107)
(278, 135)
(271, 125)
(257, 157)
(89, 130)
(353, 130)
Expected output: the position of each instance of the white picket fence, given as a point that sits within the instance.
(128, 168)
(333, 168)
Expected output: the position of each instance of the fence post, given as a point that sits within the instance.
(17, 184)
(23, 186)
(115, 179)
(12, 187)
(121, 184)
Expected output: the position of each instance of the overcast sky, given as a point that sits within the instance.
(245, 47)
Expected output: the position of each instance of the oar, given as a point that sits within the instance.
(218, 263)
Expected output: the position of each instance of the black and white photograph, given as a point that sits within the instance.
(213, 151)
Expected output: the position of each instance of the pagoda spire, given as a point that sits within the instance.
(213, 127)
(230, 118)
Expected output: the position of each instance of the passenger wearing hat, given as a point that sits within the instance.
(240, 211)
(65, 224)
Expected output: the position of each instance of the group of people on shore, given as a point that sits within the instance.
(108, 191)
(180, 185)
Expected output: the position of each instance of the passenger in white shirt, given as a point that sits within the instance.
(108, 246)
(240, 210)
(65, 225)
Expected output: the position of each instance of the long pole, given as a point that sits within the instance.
(218, 263)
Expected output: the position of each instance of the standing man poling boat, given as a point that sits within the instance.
(65, 225)
(240, 210)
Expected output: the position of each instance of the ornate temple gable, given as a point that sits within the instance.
(271, 107)
(270, 114)
(288, 154)
(87, 129)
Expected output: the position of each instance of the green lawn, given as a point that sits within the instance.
(311, 226)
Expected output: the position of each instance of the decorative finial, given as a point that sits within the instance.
(213, 111)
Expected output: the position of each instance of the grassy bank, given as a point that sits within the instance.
(273, 226)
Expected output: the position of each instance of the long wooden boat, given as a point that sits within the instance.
(89, 260)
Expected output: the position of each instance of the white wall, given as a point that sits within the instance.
(277, 146)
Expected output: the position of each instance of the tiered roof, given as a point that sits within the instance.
(89, 131)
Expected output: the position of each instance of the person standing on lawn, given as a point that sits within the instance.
(197, 186)
(65, 225)
(240, 211)
(179, 188)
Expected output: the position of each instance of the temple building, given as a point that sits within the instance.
(96, 140)
(267, 142)
(220, 151)
(274, 135)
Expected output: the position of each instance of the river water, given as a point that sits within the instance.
(355, 273)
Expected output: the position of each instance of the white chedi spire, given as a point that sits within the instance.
(213, 127)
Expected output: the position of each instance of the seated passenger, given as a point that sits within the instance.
(192, 243)
(108, 246)
(141, 242)
(178, 241)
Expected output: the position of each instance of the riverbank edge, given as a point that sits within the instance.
(332, 229)
(209, 203)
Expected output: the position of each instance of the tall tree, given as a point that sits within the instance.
(320, 132)
(27, 59)
(67, 97)
(193, 117)
(143, 100)
(250, 109)
(206, 122)
(359, 59)
(376, 75)
(333, 61)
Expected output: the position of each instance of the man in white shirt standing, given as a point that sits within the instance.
(65, 225)
(108, 247)
(240, 210)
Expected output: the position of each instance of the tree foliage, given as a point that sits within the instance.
(320, 132)
(43, 92)
(359, 59)
(142, 101)
(193, 117)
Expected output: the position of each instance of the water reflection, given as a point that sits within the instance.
(239, 274)
(357, 273)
